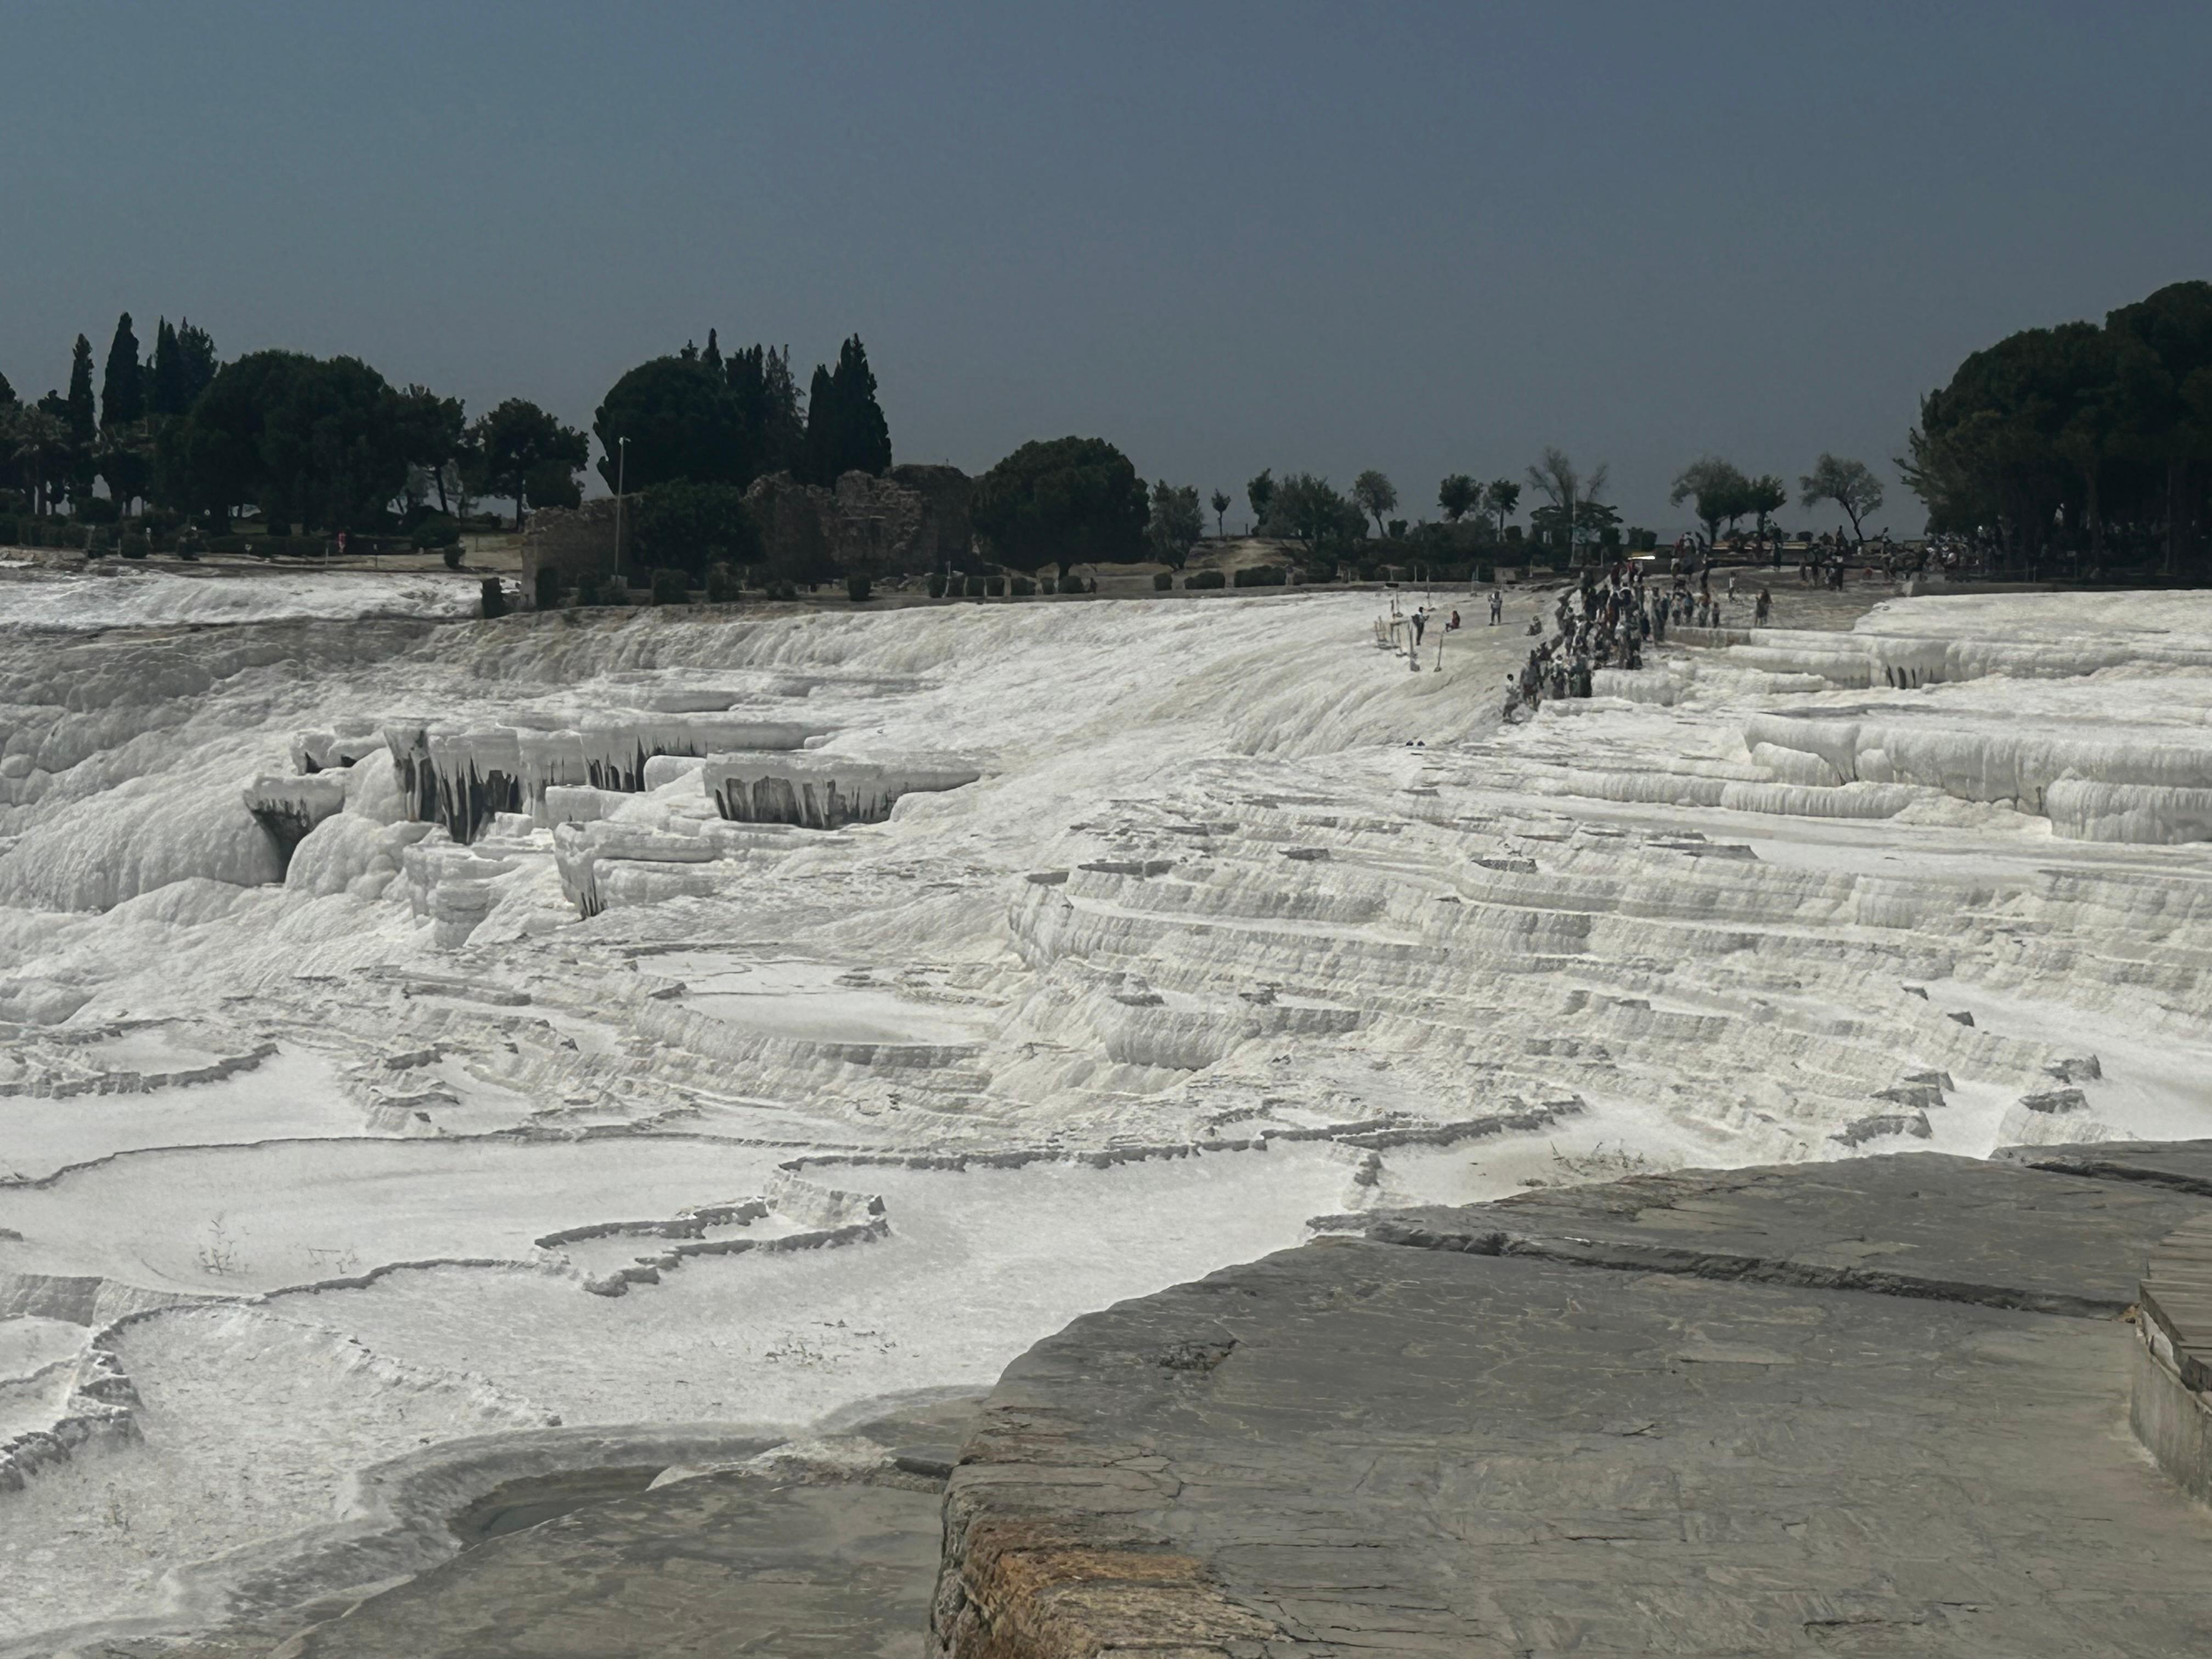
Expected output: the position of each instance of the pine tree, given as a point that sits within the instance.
(865, 437)
(122, 387)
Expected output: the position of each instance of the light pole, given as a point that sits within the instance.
(622, 459)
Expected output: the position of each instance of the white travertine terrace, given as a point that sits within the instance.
(590, 1058)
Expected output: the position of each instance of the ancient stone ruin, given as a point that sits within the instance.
(914, 518)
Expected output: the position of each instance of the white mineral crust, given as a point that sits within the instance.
(666, 1031)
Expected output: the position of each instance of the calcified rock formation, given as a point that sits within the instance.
(1237, 922)
(824, 791)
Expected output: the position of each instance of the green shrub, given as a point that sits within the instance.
(436, 531)
(1205, 578)
(671, 586)
(587, 591)
(493, 600)
(995, 585)
(1161, 581)
(135, 545)
(723, 585)
(783, 588)
(546, 594)
(453, 556)
(98, 509)
(856, 587)
(975, 587)
(937, 584)
(1022, 588)
(73, 535)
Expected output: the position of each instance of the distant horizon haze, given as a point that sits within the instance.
(1423, 237)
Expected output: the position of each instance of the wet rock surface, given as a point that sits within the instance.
(823, 1547)
(1608, 1436)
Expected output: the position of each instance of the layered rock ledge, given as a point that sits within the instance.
(1873, 1406)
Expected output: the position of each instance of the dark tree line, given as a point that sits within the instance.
(699, 417)
(325, 444)
(2083, 439)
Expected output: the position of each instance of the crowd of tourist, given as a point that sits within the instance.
(1609, 620)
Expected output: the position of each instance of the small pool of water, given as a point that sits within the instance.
(518, 1505)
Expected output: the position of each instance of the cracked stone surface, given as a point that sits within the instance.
(1923, 1224)
(1359, 1448)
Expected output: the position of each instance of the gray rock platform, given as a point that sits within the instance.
(1920, 1224)
(1872, 1408)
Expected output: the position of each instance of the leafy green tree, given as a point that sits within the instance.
(1220, 504)
(304, 438)
(7, 392)
(553, 483)
(1766, 494)
(683, 421)
(1310, 509)
(1261, 493)
(1504, 497)
(1062, 501)
(519, 442)
(1852, 485)
(1375, 496)
(37, 445)
(1458, 495)
(1720, 490)
(688, 525)
(1175, 524)
(434, 435)
(1574, 512)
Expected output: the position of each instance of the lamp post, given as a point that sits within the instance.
(622, 460)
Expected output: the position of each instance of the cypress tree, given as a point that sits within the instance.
(122, 387)
(82, 424)
(78, 410)
(713, 355)
(164, 392)
(819, 455)
(864, 436)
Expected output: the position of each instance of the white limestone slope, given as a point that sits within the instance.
(685, 1027)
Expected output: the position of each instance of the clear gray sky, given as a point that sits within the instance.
(1425, 238)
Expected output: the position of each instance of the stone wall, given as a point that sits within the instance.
(575, 541)
(914, 519)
